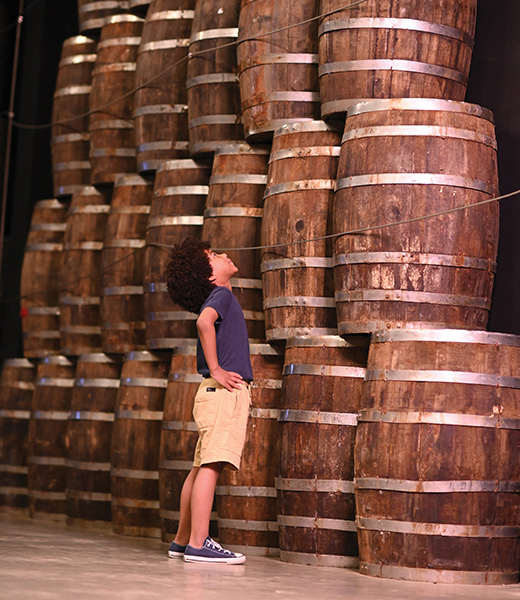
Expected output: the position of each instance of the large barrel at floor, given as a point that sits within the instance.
(441, 504)
(402, 160)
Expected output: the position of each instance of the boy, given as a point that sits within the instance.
(199, 281)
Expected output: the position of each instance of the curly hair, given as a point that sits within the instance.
(188, 274)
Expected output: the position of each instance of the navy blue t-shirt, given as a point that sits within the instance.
(232, 338)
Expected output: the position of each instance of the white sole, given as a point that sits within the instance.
(175, 554)
(229, 561)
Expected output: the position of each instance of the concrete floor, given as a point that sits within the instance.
(41, 560)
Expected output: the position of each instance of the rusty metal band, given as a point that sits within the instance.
(186, 350)
(441, 529)
(156, 109)
(43, 495)
(319, 560)
(166, 15)
(324, 370)
(408, 66)
(184, 220)
(250, 178)
(129, 210)
(280, 97)
(246, 491)
(327, 341)
(46, 247)
(90, 24)
(12, 490)
(429, 131)
(265, 384)
(254, 315)
(51, 415)
(212, 79)
(274, 124)
(97, 357)
(104, 5)
(15, 414)
(233, 211)
(74, 164)
(55, 382)
(396, 24)
(50, 204)
(252, 284)
(455, 336)
(210, 34)
(136, 503)
(173, 515)
(75, 300)
(438, 376)
(89, 496)
(44, 335)
(134, 473)
(316, 523)
(17, 362)
(68, 190)
(118, 152)
(183, 163)
(111, 124)
(192, 190)
(166, 343)
(88, 465)
(124, 290)
(439, 576)
(408, 296)
(304, 126)
(185, 377)
(213, 120)
(129, 67)
(124, 326)
(68, 138)
(179, 426)
(318, 262)
(174, 315)
(81, 330)
(240, 148)
(63, 361)
(164, 45)
(283, 333)
(78, 40)
(152, 382)
(77, 60)
(327, 151)
(17, 469)
(265, 413)
(73, 90)
(436, 487)
(415, 258)
(120, 41)
(243, 525)
(318, 417)
(298, 186)
(263, 349)
(286, 484)
(168, 145)
(51, 461)
(90, 209)
(309, 301)
(83, 246)
(159, 288)
(129, 243)
(438, 418)
(53, 311)
(17, 385)
(415, 179)
(96, 382)
(273, 59)
(48, 227)
(142, 356)
(176, 465)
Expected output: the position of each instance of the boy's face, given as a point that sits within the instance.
(223, 267)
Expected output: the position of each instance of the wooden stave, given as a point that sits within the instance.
(457, 559)
(322, 543)
(134, 475)
(42, 259)
(166, 332)
(340, 90)
(122, 294)
(363, 318)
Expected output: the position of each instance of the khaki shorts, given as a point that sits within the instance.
(221, 419)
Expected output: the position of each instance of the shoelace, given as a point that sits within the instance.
(216, 546)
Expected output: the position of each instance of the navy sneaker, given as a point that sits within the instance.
(211, 552)
(176, 550)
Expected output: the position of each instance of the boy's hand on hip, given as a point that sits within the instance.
(229, 379)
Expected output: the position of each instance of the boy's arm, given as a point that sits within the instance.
(208, 340)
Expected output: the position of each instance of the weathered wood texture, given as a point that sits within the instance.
(278, 72)
(441, 503)
(70, 139)
(246, 499)
(111, 125)
(39, 286)
(135, 444)
(232, 219)
(16, 392)
(160, 107)
(89, 434)
(80, 286)
(403, 160)
(321, 395)
(213, 91)
(46, 452)
(180, 191)
(122, 264)
(297, 278)
(394, 49)
(94, 14)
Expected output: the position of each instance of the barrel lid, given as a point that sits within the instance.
(242, 148)
(460, 336)
(328, 341)
(382, 104)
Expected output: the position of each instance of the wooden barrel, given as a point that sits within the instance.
(178, 437)
(246, 499)
(160, 107)
(135, 444)
(111, 126)
(442, 504)
(39, 288)
(298, 287)
(321, 394)
(177, 209)
(138, 7)
(93, 14)
(402, 160)
(80, 287)
(232, 219)
(122, 296)
(16, 391)
(46, 452)
(393, 49)
(70, 140)
(278, 72)
(89, 434)
(213, 91)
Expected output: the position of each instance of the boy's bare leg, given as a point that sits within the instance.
(202, 495)
(184, 529)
